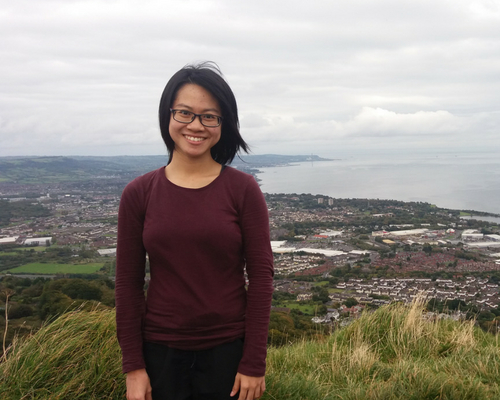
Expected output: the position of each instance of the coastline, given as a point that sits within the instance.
(452, 182)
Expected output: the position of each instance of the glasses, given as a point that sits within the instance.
(186, 117)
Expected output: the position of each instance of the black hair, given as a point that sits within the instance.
(207, 75)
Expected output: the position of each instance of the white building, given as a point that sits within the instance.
(43, 241)
(331, 233)
(409, 232)
(107, 252)
(495, 238)
(472, 234)
(8, 240)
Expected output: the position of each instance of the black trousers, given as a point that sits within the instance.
(192, 375)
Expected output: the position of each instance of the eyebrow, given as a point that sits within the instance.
(204, 111)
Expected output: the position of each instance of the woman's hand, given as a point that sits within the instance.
(138, 385)
(250, 387)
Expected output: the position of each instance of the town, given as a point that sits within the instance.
(333, 257)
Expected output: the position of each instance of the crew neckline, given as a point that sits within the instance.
(162, 170)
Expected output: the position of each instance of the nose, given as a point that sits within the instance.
(196, 123)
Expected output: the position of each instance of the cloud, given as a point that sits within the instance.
(377, 128)
(380, 122)
(88, 75)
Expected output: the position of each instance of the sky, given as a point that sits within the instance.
(320, 76)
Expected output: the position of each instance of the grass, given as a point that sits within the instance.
(75, 357)
(36, 248)
(42, 268)
(393, 353)
(307, 308)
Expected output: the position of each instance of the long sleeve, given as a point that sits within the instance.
(130, 272)
(259, 267)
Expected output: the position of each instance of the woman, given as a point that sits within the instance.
(200, 334)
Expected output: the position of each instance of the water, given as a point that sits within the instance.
(455, 181)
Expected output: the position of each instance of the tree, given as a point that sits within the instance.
(20, 311)
(53, 303)
(320, 294)
(350, 302)
(80, 289)
(321, 310)
(427, 248)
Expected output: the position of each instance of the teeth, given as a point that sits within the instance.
(195, 139)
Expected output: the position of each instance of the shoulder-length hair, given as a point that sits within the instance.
(208, 76)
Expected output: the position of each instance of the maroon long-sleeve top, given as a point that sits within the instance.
(199, 241)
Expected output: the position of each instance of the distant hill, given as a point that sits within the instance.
(396, 352)
(269, 160)
(37, 170)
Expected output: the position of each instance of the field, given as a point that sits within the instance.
(308, 309)
(42, 268)
(35, 248)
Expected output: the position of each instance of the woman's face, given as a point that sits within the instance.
(194, 140)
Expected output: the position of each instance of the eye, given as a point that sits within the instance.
(209, 117)
(184, 112)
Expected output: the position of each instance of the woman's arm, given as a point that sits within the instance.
(254, 221)
(130, 272)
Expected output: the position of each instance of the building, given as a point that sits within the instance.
(8, 240)
(43, 241)
(107, 252)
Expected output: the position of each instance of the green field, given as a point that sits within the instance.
(336, 290)
(308, 308)
(41, 268)
(36, 248)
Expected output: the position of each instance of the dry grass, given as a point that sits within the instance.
(393, 353)
(75, 357)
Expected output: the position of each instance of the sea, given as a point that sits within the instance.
(462, 181)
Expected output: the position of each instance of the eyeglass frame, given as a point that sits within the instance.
(219, 118)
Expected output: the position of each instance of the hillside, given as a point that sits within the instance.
(393, 353)
(37, 170)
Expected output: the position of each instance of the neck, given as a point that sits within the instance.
(192, 173)
(189, 165)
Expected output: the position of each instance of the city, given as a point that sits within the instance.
(393, 250)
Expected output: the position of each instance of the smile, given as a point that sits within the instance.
(194, 139)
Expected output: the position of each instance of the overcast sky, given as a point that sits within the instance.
(327, 77)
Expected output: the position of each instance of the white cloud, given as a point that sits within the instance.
(380, 122)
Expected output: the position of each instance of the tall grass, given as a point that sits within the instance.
(393, 353)
(74, 357)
